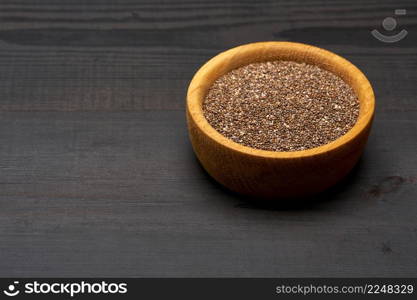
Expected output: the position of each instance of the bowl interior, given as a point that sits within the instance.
(269, 51)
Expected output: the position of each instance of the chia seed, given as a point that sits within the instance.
(281, 106)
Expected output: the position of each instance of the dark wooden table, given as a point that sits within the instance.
(97, 176)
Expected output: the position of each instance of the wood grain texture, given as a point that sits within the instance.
(271, 174)
(97, 176)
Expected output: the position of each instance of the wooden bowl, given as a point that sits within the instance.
(272, 174)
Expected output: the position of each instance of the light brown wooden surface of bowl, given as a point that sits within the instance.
(270, 174)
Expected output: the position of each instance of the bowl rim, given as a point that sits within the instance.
(195, 111)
